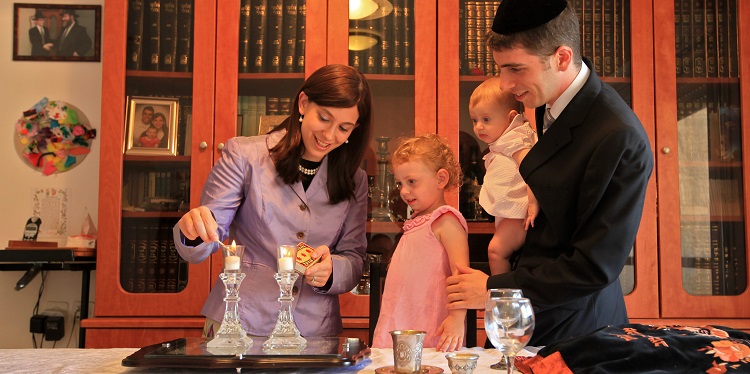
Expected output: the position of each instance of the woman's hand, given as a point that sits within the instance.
(318, 274)
(199, 222)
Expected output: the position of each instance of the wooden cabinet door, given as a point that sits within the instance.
(701, 139)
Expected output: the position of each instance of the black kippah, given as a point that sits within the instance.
(520, 15)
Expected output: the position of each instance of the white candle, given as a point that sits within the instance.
(286, 264)
(232, 263)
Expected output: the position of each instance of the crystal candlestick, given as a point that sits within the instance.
(231, 336)
(285, 336)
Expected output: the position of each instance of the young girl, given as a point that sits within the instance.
(435, 240)
(504, 193)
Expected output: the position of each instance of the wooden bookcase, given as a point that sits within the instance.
(432, 98)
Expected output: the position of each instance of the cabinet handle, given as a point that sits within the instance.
(666, 150)
(203, 145)
(220, 146)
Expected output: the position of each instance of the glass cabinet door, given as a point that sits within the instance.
(391, 42)
(153, 78)
(710, 254)
(262, 60)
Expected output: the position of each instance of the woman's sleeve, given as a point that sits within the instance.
(222, 194)
(348, 254)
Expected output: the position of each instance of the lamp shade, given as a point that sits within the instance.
(360, 40)
(369, 9)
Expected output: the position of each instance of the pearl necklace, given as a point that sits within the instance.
(307, 171)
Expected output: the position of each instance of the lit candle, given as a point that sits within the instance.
(286, 264)
(234, 248)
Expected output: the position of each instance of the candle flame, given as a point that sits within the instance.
(234, 247)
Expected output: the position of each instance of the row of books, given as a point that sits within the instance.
(160, 35)
(155, 189)
(713, 258)
(392, 34)
(604, 28)
(149, 262)
(272, 36)
(706, 38)
(708, 126)
(251, 109)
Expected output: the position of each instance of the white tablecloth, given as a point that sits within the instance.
(104, 361)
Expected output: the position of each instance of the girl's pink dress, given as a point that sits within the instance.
(415, 297)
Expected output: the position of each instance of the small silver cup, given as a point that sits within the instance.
(407, 350)
(462, 363)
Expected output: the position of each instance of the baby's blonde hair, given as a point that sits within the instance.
(490, 90)
(434, 152)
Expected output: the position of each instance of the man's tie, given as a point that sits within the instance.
(41, 32)
(548, 119)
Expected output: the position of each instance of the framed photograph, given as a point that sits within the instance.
(152, 126)
(56, 32)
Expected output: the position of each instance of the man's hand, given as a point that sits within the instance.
(467, 290)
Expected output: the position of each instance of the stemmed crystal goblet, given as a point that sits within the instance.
(509, 323)
(285, 337)
(231, 337)
(502, 292)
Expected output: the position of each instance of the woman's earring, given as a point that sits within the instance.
(347, 141)
(301, 116)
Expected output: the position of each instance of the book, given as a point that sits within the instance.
(252, 116)
(141, 260)
(407, 40)
(597, 30)
(128, 257)
(356, 56)
(722, 34)
(275, 35)
(152, 256)
(260, 110)
(686, 48)
(162, 261)
(289, 36)
(152, 23)
(732, 47)
(397, 49)
(168, 32)
(699, 42)
(301, 35)
(471, 32)
(272, 106)
(245, 59)
(712, 45)
(608, 25)
(481, 46)
(384, 26)
(184, 35)
(258, 24)
(285, 106)
(135, 34)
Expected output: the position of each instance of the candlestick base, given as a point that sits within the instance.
(285, 337)
(231, 337)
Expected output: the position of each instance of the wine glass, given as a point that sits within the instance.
(509, 323)
(502, 292)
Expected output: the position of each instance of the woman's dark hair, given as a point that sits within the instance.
(336, 86)
(160, 114)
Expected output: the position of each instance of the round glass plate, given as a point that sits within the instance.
(426, 369)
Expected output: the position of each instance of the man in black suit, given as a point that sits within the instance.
(589, 171)
(39, 36)
(74, 40)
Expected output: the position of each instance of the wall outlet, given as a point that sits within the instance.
(77, 305)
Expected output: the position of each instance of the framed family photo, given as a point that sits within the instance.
(151, 126)
(57, 32)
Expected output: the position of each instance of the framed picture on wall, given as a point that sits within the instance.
(56, 32)
(152, 126)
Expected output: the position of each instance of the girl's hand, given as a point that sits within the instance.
(318, 274)
(451, 333)
(199, 222)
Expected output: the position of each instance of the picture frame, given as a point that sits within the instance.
(41, 32)
(140, 139)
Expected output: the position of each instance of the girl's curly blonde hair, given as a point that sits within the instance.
(434, 152)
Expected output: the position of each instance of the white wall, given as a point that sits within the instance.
(23, 84)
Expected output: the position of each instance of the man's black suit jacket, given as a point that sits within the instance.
(77, 41)
(38, 42)
(589, 172)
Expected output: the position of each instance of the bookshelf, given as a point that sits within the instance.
(642, 58)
